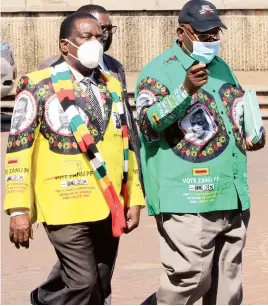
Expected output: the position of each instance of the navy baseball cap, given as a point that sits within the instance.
(201, 15)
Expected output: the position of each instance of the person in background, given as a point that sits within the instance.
(83, 185)
(197, 191)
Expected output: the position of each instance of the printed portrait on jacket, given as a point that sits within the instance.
(24, 113)
(56, 118)
(198, 125)
(238, 113)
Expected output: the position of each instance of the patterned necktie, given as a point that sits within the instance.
(94, 103)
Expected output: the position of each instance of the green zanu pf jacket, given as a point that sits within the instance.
(192, 147)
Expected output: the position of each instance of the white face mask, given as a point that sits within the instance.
(89, 53)
(204, 51)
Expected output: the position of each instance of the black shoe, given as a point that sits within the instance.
(34, 298)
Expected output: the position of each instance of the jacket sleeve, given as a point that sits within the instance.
(24, 130)
(158, 107)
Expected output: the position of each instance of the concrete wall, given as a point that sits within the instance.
(121, 5)
(141, 35)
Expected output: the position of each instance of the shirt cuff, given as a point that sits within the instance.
(17, 212)
(183, 92)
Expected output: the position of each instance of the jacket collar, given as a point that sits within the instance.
(113, 69)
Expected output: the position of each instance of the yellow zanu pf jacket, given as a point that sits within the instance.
(45, 170)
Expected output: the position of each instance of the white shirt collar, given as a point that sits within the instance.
(103, 66)
(79, 77)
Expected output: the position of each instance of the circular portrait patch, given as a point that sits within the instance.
(25, 112)
(56, 118)
(201, 135)
(238, 113)
(233, 103)
(198, 125)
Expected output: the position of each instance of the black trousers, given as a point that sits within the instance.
(86, 256)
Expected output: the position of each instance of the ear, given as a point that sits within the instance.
(180, 33)
(64, 46)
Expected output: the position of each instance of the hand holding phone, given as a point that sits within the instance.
(196, 77)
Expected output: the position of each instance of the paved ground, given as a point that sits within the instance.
(137, 271)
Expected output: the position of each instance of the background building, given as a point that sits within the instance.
(145, 29)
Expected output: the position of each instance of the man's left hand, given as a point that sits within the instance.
(259, 145)
(132, 218)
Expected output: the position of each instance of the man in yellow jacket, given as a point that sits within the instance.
(71, 165)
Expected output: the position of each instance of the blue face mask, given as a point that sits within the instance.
(204, 51)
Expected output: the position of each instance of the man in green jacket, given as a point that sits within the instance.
(194, 164)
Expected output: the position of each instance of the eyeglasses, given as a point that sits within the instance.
(109, 29)
(199, 123)
(203, 37)
(208, 37)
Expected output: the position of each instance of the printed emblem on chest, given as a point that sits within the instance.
(56, 118)
(55, 126)
(200, 136)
